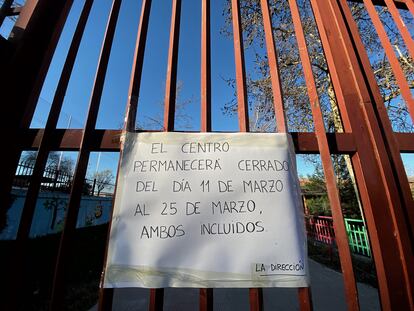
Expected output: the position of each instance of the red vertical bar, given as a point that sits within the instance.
(205, 67)
(157, 295)
(256, 299)
(402, 187)
(206, 299)
(389, 51)
(255, 294)
(82, 162)
(394, 148)
(305, 300)
(135, 81)
(106, 294)
(156, 299)
(401, 26)
(386, 221)
(331, 186)
(410, 5)
(240, 69)
(171, 80)
(274, 68)
(206, 294)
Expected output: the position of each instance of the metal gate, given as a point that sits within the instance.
(368, 137)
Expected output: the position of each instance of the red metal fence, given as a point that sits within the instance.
(320, 229)
(368, 137)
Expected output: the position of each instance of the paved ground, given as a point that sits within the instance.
(327, 294)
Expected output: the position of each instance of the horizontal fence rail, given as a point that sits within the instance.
(109, 140)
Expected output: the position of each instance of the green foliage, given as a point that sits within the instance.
(319, 206)
(316, 194)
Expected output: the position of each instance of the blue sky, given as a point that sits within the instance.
(115, 93)
(152, 89)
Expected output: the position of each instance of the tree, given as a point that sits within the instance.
(182, 119)
(316, 194)
(296, 100)
(314, 190)
(102, 179)
(54, 162)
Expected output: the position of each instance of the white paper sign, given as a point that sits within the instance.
(207, 210)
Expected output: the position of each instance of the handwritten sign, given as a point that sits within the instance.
(207, 210)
